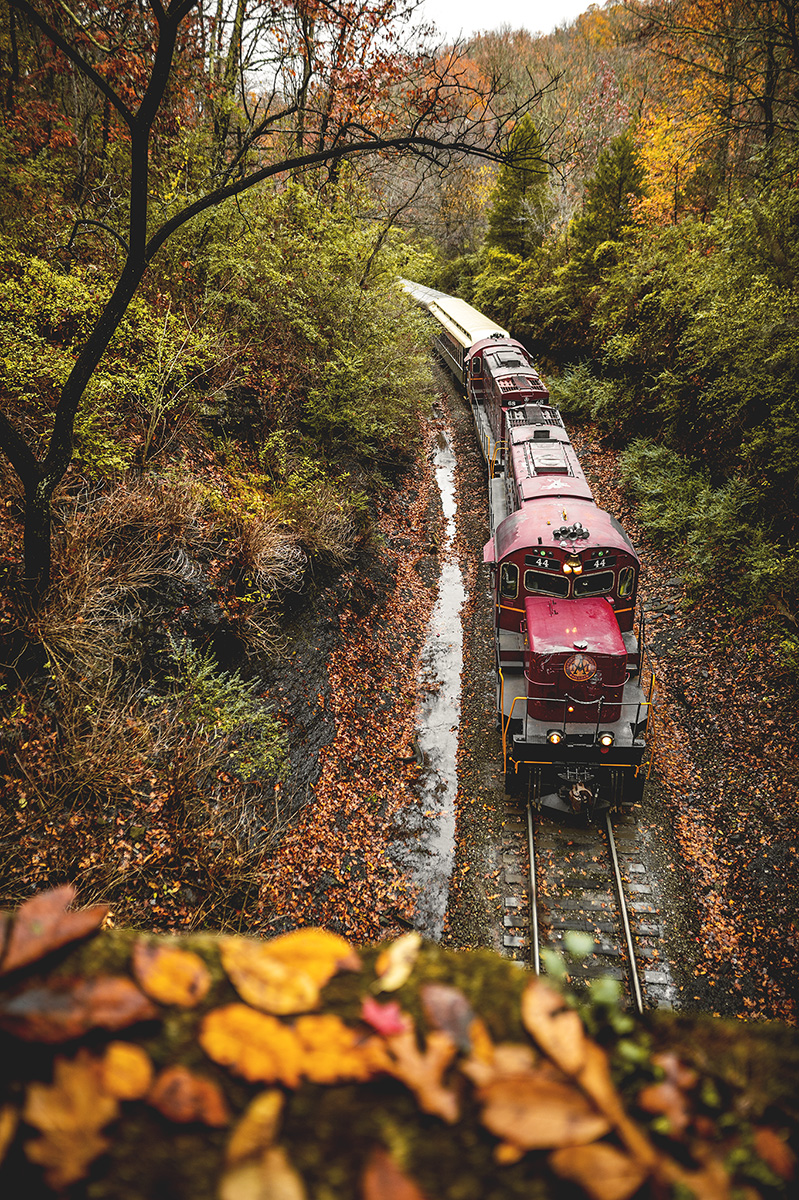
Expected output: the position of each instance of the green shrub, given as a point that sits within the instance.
(225, 708)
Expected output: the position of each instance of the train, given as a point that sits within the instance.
(573, 698)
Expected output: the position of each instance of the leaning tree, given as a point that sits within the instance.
(280, 89)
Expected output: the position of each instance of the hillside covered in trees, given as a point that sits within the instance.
(211, 384)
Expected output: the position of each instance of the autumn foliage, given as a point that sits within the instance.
(298, 1064)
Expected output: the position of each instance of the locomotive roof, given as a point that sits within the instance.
(463, 322)
(498, 339)
(543, 517)
(555, 626)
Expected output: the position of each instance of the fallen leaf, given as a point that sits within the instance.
(597, 1082)
(537, 1112)
(447, 1008)
(423, 1072)
(257, 1128)
(254, 1045)
(266, 981)
(387, 1019)
(666, 1099)
(9, 1119)
(70, 1112)
(42, 924)
(772, 1146)
(557, 1029)
(127, 1071)
(505, 1060)
(382, 1179)
(68, 1008)
(332, 1052)
(602, 1171)
(183, 1097)
(270, 1177)
(395, 964)
(315, 952)
(170, 975)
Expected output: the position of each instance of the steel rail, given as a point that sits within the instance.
(625, 920)
(534, 939)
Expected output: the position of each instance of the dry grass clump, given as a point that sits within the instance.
(271, 559)
(323, 523)
(112, 558)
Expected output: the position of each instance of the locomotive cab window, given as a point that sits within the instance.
(598, 584)
(626, 581)
(546, 585)
(509, 581)
(477, 365)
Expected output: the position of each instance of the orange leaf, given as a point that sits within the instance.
(254, 1045)
(170, 975)
(181, 1096)
(602, 1171)
(537, 1112)
(423, 1072)
(68, 1008)
(772, 1147)
(43, 924)
(333, 1052)
(557, 1029)
(382, 1179)
(9, 1120)
(127, 1071)
(70, 1112)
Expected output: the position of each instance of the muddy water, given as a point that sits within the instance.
(429, 844)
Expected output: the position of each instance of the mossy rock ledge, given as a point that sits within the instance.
(137, 1067)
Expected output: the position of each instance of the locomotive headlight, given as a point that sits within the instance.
(572, 565)
(554, 737)
(567, 568)
(606, 739)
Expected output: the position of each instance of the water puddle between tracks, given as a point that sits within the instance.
(427, 846)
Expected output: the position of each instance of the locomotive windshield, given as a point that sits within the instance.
(546, 585)
(594, 585)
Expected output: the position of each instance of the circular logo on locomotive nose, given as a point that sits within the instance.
(580, 667)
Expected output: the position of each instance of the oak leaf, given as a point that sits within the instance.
(127, 1071)
(383, 1179)
(70, 1112)
(42, 924)
(257, 1128)
(269, 1177)
(69, 1008)
(423, 1072)
(395, 964)
(254, 1045)
(537, 1112)
(602, 1171)
(170, 975)
(183, 1097)
(557, 1029)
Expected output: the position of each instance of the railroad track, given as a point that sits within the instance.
(595, 879)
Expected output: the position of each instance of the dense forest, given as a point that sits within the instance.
(210, 380)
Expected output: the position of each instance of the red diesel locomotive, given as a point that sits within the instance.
(570, 702)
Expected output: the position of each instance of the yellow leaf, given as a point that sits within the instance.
(395, 964)
(69, 1112)
(270, 1177)
(333, 1052)
(254, 1045)
(285, 975)
(127, 1071)
(170, 975)
(256, 1130)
